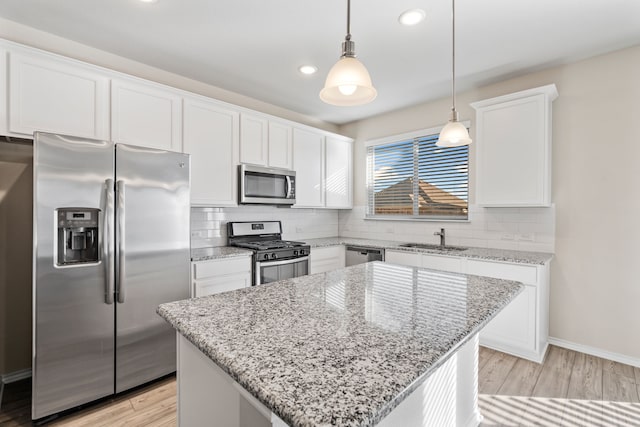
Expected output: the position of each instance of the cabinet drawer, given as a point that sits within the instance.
(411, 259)
(527, 274)
(222, 284)
(442, 263)
(205, 269)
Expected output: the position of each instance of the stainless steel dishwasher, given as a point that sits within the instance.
(361, 254)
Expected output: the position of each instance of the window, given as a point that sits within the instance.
(409, 177)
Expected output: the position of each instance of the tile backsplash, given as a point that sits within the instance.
(209, 225)
(526, 229)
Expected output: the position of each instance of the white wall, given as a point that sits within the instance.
(596, 190)
(16, 183)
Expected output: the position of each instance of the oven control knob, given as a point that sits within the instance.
(295, 253)
(266, 256)
(273, 256)
(301, 251)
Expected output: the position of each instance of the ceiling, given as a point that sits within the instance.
(254, 47)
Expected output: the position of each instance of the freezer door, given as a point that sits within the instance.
(73, 313)
(152, 257)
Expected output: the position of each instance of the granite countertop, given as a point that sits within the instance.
(218, 252)
(344, 347)
(489, 254)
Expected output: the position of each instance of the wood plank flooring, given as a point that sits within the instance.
(569, 389)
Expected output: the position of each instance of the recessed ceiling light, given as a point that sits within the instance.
(307, 69)
(412, 17)
(149, 1)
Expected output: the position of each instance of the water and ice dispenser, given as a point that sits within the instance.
(77, 236)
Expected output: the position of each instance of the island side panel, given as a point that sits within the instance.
(208, 396)
(449, 397)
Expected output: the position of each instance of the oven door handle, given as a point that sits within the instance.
(270, 263)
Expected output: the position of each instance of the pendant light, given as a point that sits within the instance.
(348, 82)
(454, 134)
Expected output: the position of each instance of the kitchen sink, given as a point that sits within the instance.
(432, 246)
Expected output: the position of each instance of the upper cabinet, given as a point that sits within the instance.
(308, 162)
(513, 146)
(280, 145)
(265, 142)
(146, 114)
(254, 133)
(210, 135)
(338, 173)
(56, 95)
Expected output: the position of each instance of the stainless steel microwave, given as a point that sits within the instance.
(266, 186)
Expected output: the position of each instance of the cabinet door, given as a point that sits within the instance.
(210, 135)
(514, 148)
(308, 162)
(326, 259)
(514, 328)
(146, 115)
(339, 191)
(253, 139)
(411, 259)
(280, 145)
(59, 96)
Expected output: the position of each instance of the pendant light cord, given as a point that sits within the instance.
(453, 58)
(348, 37)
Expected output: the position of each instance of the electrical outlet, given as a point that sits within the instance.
(507, 236)
(526, 237)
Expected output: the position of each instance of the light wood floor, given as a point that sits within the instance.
(569, 389)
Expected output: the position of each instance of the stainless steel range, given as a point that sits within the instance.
(273, 259)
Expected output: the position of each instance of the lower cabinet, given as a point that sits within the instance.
(521, 328)
(220, 275)
(326, 259)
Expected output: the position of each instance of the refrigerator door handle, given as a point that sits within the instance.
(107, 241)
(121, 241)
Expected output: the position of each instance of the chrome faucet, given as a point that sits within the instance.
(441, 234)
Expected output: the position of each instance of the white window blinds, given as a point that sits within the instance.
(414, 178)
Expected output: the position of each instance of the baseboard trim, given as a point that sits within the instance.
(12, 377)
(593, 351)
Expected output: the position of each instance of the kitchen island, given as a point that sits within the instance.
(373, 344)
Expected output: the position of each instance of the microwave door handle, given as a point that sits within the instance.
(288, 187)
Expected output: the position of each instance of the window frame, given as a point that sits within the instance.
(397, 139)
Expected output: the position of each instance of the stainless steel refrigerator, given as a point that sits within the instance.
(111, 243)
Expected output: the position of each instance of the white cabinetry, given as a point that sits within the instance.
(265, 142)
(146, 114)
(521, 328)
(338, 175)
(220, 275)
(254, 134)
(326, 259)
(308, 162)
(56, 95)
(280, 145)
(210, 135)
(513, 134)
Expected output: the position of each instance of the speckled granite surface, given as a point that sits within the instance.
(488, 254)
(217, 252)
(344, 347)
